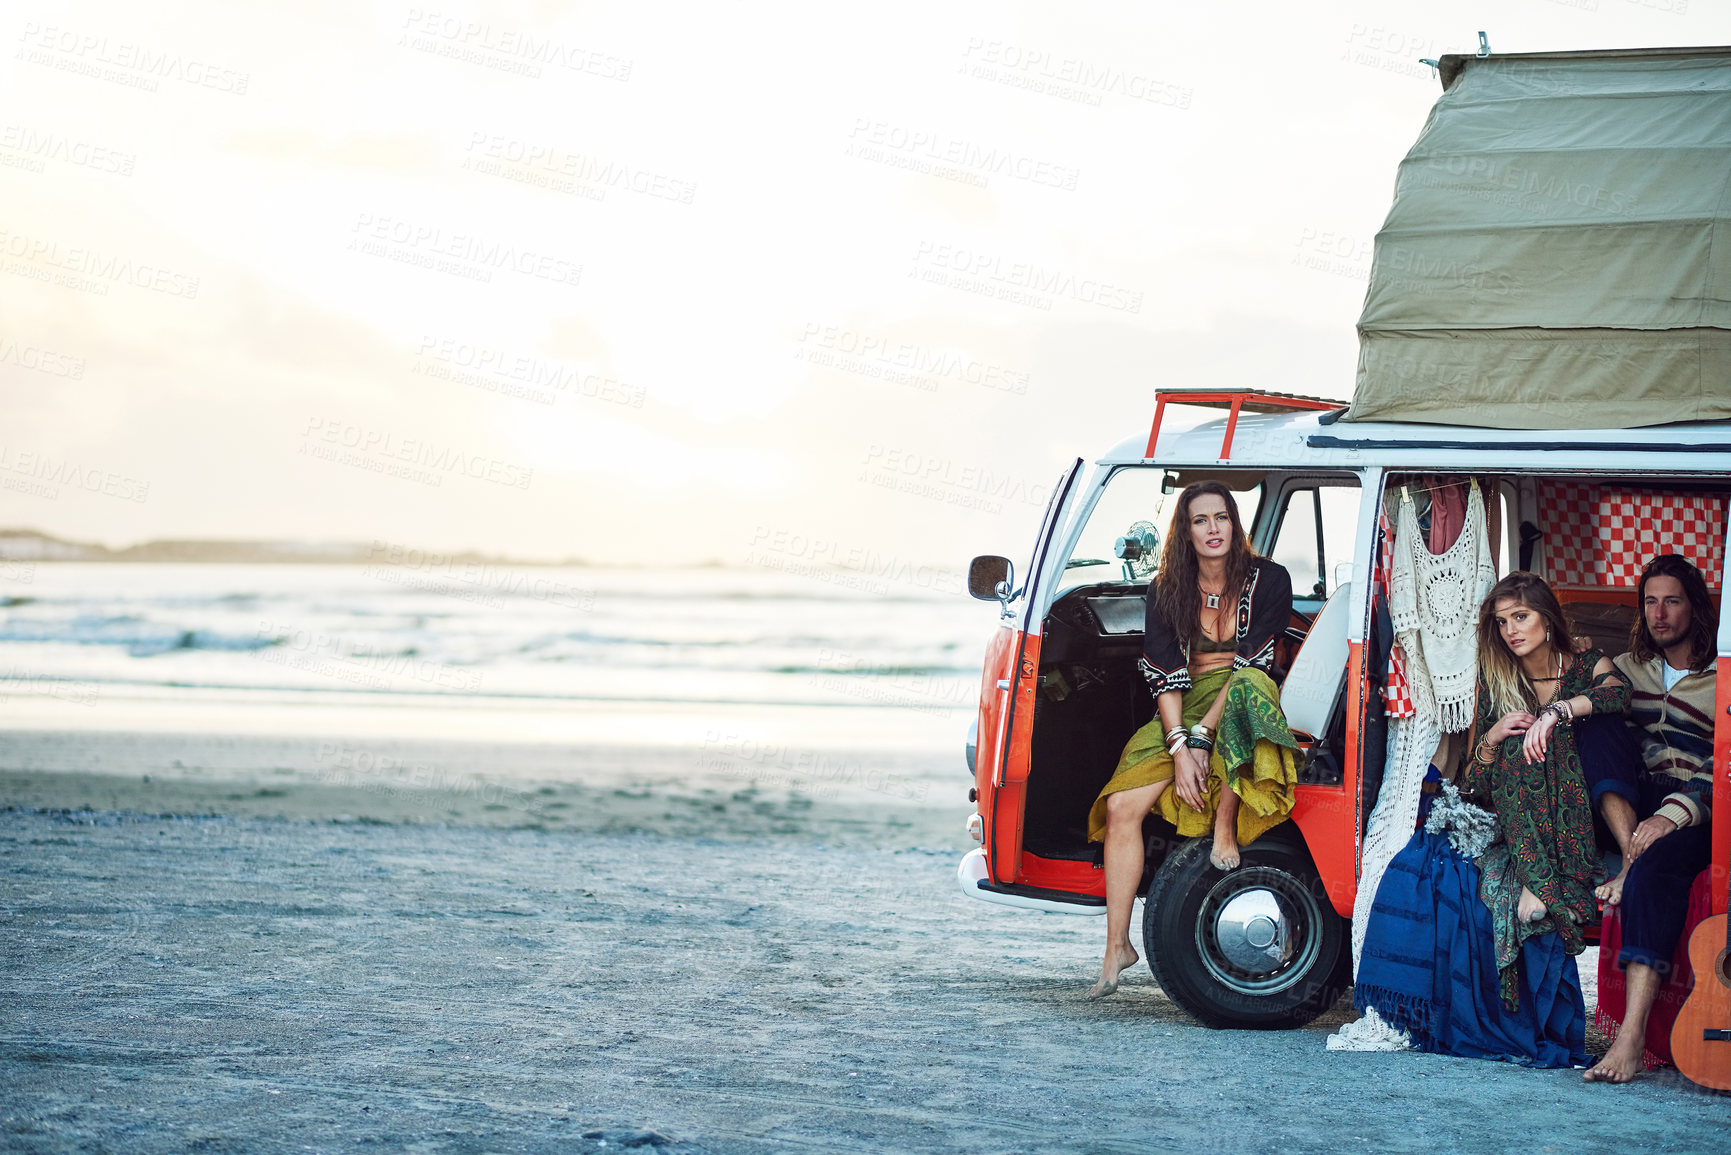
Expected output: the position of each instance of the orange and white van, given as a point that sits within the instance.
(1268, 945)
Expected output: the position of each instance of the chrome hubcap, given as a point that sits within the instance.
(1252, 932)
(1260, 930)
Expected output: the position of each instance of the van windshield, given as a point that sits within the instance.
(1134, 501)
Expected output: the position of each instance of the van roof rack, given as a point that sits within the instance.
(1236, 400)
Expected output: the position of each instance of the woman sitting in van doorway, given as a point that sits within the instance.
(1218, 757)
(1451, 924)
(1533, 686)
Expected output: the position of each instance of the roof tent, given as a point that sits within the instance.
(1557, 254)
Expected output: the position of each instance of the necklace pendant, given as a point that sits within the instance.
(1212, 601)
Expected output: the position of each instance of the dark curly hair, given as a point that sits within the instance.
(1177, 599)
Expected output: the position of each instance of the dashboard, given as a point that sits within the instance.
(1104, 620)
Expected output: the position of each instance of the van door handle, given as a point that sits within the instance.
(1003, 683)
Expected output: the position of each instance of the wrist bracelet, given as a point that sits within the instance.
(1201, 742)
(1176, 739)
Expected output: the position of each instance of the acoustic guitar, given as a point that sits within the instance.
(1701, 1036)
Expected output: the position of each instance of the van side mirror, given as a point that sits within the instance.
(989, 578)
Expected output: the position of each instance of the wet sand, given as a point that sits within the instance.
(334, 967)
(728, 789)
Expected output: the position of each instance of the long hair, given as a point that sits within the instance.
(1703, 618)
(1177, 599)
(1507, 683)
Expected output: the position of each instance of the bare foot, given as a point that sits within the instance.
(1611, 893)
(1531, 908)
(1620, 1064)
(1115, 963)
(1224, 855)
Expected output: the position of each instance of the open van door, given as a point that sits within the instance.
(1007, 687)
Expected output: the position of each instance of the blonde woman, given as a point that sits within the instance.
(1475, 908)
(1217, 759)
(1533, 687)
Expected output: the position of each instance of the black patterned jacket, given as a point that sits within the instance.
(1264, 609)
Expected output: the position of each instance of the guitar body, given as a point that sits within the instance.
(1701, 1037)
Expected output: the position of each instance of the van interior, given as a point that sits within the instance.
(1589, 536)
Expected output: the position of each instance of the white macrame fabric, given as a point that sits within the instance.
(1371, 1033)
(1411, 743)
(1434, 603)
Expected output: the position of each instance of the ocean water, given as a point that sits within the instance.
(615, 655)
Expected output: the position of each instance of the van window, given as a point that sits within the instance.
(1314, 539)
(1133, 495)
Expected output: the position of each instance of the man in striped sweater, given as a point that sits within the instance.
(1659, 810)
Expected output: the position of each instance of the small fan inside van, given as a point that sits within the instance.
(1140, 550)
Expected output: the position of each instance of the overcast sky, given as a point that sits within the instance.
(659, 282)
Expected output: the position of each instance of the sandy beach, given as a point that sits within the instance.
(726, 788)
(516, 520)
(240, 954)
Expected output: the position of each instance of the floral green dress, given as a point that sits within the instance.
(1545, 812)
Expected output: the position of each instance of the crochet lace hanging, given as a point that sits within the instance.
(1434, 602)
(1411, 743)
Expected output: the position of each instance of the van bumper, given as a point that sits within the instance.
(971, 876)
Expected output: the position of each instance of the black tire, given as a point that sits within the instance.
(1286, 984)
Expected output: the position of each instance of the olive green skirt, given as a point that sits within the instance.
(1255, 756)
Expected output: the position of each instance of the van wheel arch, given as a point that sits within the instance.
(1260, 947)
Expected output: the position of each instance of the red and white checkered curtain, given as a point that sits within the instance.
(1603, 536)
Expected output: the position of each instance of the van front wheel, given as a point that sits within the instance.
(1259, 947)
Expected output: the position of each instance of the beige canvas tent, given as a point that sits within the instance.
(1557, 254)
